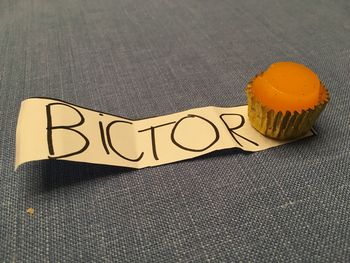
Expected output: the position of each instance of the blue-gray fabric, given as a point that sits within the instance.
(137, 59)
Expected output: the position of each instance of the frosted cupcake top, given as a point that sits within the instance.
(287, 86)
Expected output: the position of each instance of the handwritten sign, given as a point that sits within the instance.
(54, 129)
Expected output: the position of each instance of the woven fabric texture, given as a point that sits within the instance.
(137, 59)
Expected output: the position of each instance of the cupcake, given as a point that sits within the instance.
(285, 100)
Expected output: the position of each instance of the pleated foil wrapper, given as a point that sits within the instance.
(283, 126)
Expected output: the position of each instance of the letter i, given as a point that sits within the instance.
(102, 133)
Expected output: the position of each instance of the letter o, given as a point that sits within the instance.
(217, 135)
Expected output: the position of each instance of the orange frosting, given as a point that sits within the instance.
(287, 86)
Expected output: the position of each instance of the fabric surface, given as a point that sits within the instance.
(137, 59)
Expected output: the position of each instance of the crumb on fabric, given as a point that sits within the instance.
(30, 211)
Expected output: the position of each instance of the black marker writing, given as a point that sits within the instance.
(102, 133)
(50, 128)
(111, 144)
(232, 129)
(217, 136)
(112, 132)
(153, 137)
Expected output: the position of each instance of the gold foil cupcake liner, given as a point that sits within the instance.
(283, 126)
